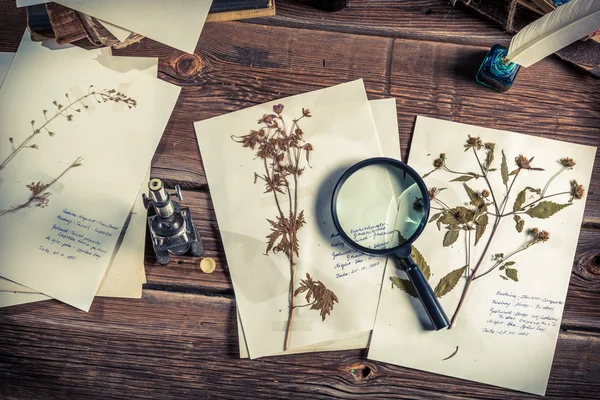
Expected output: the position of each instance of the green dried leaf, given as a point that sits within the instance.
(450, 237)
(462, 178)
(405, 285)
(418, 259)
(448, 218)
(435, 216)
(481, 224)
(520, 222)
(503, 277)
(453, 353)
(504, 169)
(512, 274)
(489, 158)
(520, 200)
(545, 209)
(501, 267)
(476, 200)
(449, 282)
(509, 263)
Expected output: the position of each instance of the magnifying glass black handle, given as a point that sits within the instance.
(432, 306)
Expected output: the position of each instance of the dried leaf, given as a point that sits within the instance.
(509, 263)
(504, 169)
(462, 178)
(503, 277)
(481, 224)
(418, 259)
(520, 200)
(520, 222)
(453, 353)
(450, 237)
(324, 299)
(545, 209)
(405, 285)
(489, 158)
(476, 200)
(449, 282)
(512, 274)
(435, 216)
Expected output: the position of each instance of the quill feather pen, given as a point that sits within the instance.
(553, 31)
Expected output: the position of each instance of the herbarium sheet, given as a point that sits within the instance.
(271, 171)
(78, 137)
(498, 251)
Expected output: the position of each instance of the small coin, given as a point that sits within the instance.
(208, 265)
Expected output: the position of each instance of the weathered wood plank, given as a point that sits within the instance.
(12, 25)
(433, 20)
(170, 345)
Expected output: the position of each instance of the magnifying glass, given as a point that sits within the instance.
(380, 206)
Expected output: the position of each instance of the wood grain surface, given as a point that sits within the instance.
(180, 339)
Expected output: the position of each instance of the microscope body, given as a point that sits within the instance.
(172, 229)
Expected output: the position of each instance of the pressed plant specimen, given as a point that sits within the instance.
(488, 208)
(281, 151)
(39, 195)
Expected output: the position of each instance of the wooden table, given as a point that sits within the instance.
(180, 339)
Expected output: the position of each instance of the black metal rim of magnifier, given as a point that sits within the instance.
(397, 164)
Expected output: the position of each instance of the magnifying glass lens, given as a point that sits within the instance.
(380, 206)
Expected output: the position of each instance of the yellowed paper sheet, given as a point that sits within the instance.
(506, 331)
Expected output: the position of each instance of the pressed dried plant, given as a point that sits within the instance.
(39, 196)
(67, 112)
(282, 151)
(486, 208)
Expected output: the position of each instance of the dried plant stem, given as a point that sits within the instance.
(487, 181)
(59, 113)
(34, 197)
(534, 202)
(503, 260)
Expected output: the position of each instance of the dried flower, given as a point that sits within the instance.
(567, 162)
(473, 142)
(544, 236)
(577, 190)
(522, 162)
(278, 108)
(418, 204)
(498, 256)
(439, 162)
(485, 193)
(538, 235)
(306, 113)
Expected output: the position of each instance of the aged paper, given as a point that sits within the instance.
(339, 118)
(67, 187)
(5, 61)
(9, 299)
(177, 24)
(386, 123)
(506, 331)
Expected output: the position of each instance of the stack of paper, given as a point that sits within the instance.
(79, 130)
(330, 130)
(177, 24)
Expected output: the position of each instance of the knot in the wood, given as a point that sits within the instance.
(188, 65)
(362, 373)
(588, 266)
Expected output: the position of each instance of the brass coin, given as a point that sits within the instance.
(208, 265)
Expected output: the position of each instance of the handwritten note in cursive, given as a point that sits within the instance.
(348, 261)
(521, 314)
(74, 235)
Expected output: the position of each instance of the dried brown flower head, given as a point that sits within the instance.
(567, 162)
(433, 192)
(543, 236)
(577, 190)
(417, 205)
(306, 113)
(439, 162)
(278, 108)
(473, 142)
(522, 162)
(538, 235)
(485, 193)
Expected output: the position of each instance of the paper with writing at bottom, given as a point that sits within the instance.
(95, 197)
(386, 123)
(342, 132)
(490, 350)
(174, 23)
(123, 276)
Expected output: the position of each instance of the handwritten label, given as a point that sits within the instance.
(74, 235)
(521, 314)
(347, 261)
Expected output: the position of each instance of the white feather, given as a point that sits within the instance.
(553, 31)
